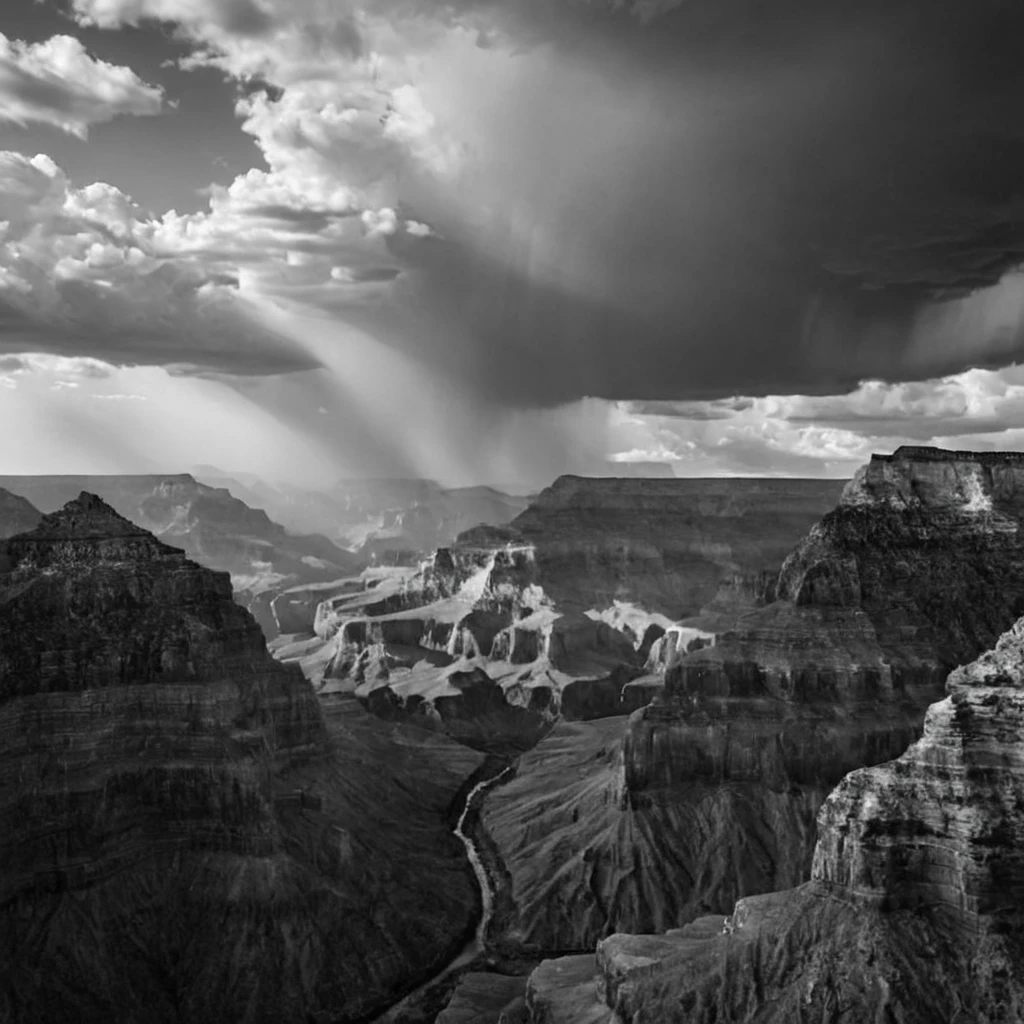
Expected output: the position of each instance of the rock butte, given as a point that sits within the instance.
(184, 835)
(514, 626)
(712, 792)
(914, 912)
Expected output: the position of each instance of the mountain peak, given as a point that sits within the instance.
(85, 531)
(86, 516)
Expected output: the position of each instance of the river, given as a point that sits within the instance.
(476, 945)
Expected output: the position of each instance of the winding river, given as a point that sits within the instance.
(476, 945)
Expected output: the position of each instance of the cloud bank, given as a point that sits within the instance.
(615, 217)
(647, 200)
(56, 82)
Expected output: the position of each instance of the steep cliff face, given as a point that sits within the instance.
(211, 526)
(919, 568)
(667, 545)
(915, 910)
(183, 836)
(16, 514)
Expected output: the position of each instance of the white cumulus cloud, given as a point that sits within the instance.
(57, 82)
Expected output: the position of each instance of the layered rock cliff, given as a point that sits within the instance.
(569, 611)
(183, 836)
(919, 568)
(212, 526)
(669, 546)
(914, 912)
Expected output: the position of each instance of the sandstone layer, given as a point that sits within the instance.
(183, 835)
(918, 569)
(915, 909)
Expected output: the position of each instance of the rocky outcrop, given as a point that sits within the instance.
(211, 526)
(183, 835)
(16, 514)
(918, 569)
(915, 909)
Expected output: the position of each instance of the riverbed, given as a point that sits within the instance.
(476, 945)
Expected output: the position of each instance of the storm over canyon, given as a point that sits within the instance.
(511, 512)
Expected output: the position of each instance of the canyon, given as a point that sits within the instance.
(572, 610)
(186, 831)
(384, 520)
(914, 911)
(710, 792)
(654, 750)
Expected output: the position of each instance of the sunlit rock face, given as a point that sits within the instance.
(915, 910)
(725, 770)
(211, 526)
(16, 514)
(571, 609)
(183, 835)
(919, 568)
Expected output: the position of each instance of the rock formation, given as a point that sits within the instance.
(16, 514)
(212, 526)
(183, 836)
(666, 545)
(566, 609)
(915, 908)
(918, 569)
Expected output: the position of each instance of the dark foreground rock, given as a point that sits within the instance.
(184, 836)
(915, 909)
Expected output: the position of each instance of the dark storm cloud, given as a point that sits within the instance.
(224, 341)
(797, 183)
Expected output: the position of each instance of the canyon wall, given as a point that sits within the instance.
(570, 611)
(915, 908)
(918, 569)
(183, 833)
(668, 545)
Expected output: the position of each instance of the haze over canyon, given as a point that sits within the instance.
(511, 512)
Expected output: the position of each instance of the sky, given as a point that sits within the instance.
(485, 241)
